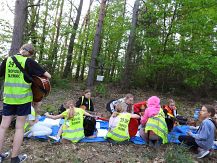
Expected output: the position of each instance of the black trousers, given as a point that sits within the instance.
(189, 141)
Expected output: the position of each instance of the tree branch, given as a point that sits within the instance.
(9, 7)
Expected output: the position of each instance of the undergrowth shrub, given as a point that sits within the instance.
(60, 83)
(101, 90)
(177, 154)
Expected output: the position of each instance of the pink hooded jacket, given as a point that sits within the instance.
(153, 109)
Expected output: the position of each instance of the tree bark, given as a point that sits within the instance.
(20, 19)
(34, 17)
(127, 75)
(96, 44)
(85, 24)
(63, 57)
(41, 47)
(71, 43)
(50, 56)
(55, 46)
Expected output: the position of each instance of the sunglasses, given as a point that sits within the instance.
(30, 52)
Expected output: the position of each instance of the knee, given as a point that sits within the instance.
(4, 126)
(19, 128)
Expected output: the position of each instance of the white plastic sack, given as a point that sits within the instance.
(39, 129)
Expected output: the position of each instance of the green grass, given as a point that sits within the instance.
(177, 154)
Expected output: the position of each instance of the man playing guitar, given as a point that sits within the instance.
(17, 98)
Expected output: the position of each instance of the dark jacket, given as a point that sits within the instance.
(86, 102)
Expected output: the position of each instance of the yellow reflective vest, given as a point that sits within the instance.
(120, 132)
(16, 89)
(73, 128)
(158, 125)
(27, 125)
(82, 100)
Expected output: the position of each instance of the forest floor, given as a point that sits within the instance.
(105, 152)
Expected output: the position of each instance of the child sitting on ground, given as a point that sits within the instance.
(85, 101)
(72, 129)
(170, 113)
(203, 139)
(118, 124)
(128, 99)
(154, 128)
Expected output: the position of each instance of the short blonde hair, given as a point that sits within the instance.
(120, 108)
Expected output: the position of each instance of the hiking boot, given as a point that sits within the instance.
(4, 156)
(203, 153)
(20, 158)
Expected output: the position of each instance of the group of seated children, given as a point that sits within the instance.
(155, 122)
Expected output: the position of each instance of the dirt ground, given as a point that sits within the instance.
(103, 152)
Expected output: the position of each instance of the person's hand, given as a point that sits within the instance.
(46, 114)
(36, 120)
(95, 116)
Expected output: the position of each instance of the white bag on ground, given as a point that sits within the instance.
(40, 129)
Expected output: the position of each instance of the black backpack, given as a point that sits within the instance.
(89, 126)
(61, 109)
(181, 119)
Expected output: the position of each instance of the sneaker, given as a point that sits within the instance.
(20, 158)
(54, 138)
(4, 156)
(203, 153)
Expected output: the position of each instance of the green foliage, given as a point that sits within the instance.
(60, 83)
(175, 45)
(177, 154)
(101, 90)
(49, 108)
(177, 39)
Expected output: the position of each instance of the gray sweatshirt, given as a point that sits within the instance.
(205, 135)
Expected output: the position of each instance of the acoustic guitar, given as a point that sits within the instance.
(40, 88)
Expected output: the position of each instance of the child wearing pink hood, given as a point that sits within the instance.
(153, 122)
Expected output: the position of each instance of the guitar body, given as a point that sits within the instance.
(38, 85)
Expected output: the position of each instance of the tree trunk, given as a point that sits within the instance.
(41, 47)
(96, 44)
(72, 40)
(55, 46)
(20, 19)
(34, 17)
(85, 24)
(63, 57)
(170, 28)
(127, 75)
(115, 55)
(50, 56)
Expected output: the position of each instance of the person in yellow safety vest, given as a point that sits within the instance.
(85, 101)
(72, 129)
(118, 124)
(30, 120)
(17, 96)
(154, 127)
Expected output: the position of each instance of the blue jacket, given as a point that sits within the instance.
(205, 135)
